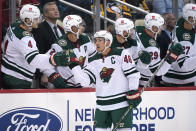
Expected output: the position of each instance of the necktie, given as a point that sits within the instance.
(171, 37)
(55, 31)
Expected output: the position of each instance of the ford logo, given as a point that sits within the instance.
(30, 119)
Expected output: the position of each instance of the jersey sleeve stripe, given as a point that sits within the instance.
(136, 59)
(16, 66)
(129, 73)
(129, 69)
(181, 72)
(155, 65)
(180, 76)
(10, 67)
(91, 75)
(144, 79)
(31, 58)
(90, 55)
(29, 54)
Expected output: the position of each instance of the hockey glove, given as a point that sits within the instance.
(57, 80)
(73, 60)
(174, 51)
(144, 56)
(59, 59)
(134, 98)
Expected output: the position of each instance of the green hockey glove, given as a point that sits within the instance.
(134, 97)
(73, 60)
(144, 56)
(57, 80)
(174, 51)
(59, 59)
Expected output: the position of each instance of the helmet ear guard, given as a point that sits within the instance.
(30, 12)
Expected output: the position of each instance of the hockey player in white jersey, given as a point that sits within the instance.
(20, 56)
(124, 38)
(74, 40)
(147, 35)
(113, 74)
(183, 71)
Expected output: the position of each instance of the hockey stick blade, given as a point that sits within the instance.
(142, 90)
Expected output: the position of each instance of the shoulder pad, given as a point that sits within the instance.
(19, 32)
(83, 38)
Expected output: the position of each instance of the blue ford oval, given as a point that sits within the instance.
(30, 119)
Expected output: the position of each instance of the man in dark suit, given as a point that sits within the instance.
(46, 34)
(48, 31)
(165, 38)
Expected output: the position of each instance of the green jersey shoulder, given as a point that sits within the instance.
(65, 43)
(18, 31)
(183, 34)
(146, 40)
(128, 44)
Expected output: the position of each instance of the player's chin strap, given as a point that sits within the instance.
(192, 23)
(125, 37)
(28, 25)
(141, 91)
(76, 33)
(156, 33)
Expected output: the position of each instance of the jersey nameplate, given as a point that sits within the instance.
(10, 34)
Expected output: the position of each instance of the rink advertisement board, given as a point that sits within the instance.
(74, 110)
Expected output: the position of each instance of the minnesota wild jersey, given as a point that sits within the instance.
(112, 76)
(83, 48)
(18, 58)
(150, 45)
(180, 72)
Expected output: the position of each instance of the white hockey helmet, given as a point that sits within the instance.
(124, 24)
(29, 11)
(153, 19)
(69, 22)
(76, 17)
(189, 10)
(107, 37)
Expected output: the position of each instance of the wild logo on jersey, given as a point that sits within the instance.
(152, 42)
(106, 74)
(82, 60)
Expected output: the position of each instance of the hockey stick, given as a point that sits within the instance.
(141, 91)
